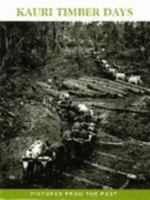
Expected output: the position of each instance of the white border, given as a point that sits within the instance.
(140, 9)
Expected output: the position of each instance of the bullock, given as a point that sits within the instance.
(135, 80)
(120, 76)
(103, 118)
(45, 165)
(91, 113)
(98, 57)
(49, 81)
(44, 160)
(64, 95)
(104, 61)
(92, 127)
(107, 66)
(30, 154)
(36, 149)
(85, 111)
(30, 162)
(82, 108)
(112, 70)
(64, 99)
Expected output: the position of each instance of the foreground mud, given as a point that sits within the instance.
(115, 162)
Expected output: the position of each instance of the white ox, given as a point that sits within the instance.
(120, 76)
(64, 95)
(135, 80)
(112, 70)
(49, 81)
(107, 66)
(84, 109)
(104, 61)
(33, 152)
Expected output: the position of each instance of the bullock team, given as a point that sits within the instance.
(112, 72)
(78, 136)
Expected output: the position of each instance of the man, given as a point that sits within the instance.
(56, 82)
(69, 147)
(58, 154)
(63, 105)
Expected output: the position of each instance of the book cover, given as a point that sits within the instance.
(74, 100)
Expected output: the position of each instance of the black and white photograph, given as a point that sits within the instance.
(75, 105)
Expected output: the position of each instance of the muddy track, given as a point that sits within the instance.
(114, 162)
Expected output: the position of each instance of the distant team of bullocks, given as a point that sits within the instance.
(113, 72)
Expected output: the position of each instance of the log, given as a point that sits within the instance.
(112, 143)
(84, 180)
(135, 142)
(111, 170)
(106, 82)
(107, 94)
(44, 85)
(101, 87)
(81, 90)
(109, 136)
(140, 143)
(70, 84)
(114, 157)
(48, 89)
(121, 109)
(147, 90)
(86, 94)
(118, 84)
(108, 87)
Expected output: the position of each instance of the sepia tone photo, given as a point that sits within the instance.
(75, 105)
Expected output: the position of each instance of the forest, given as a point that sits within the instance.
(31, 53)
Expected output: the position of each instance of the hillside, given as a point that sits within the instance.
(64, 52)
